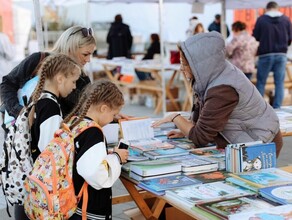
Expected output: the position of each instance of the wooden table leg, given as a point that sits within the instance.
(140, 202)
(168, 92)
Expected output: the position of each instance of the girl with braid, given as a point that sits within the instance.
(100, 102)
(57, 78)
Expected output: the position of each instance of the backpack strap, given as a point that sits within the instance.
(83, 191)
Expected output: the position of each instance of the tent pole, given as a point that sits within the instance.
(38, 24)
(223, 19)
(162, 55)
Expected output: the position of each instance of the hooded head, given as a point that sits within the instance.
(205, 55)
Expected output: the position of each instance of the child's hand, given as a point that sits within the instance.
(123, 154)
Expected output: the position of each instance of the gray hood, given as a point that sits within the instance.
(205, 54)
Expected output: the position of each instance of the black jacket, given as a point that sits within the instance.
(153, 49)
(273, 33)
(120, 40)
(23, 72)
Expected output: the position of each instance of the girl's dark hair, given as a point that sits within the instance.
(154, 37)
(99, 92)
(238, 26)
(199, 25)
(51, 66)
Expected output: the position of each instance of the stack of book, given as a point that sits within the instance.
(213, 154)
(154, 167)
(262, 178)
(250, 156)
(192, 164)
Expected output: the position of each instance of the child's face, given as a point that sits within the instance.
(67, 84)
(107, 115)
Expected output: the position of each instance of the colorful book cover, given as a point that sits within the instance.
(166, 153)
(279, 194)
(257, 157)
(232, 206)
(160, 184)
(210, 177)
(265, 177)
(194, 194)
(208, 151)
(283, 212)
(138, 178)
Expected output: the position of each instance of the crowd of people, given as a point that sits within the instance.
(227, 107)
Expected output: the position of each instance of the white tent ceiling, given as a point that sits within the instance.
(230, 4)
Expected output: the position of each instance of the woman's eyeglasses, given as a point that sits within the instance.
(85, 32)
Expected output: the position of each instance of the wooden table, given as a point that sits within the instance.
(140, 196)
(155, 68)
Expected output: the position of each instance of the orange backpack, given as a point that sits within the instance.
(50, 193)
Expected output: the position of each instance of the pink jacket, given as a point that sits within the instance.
(242, 52)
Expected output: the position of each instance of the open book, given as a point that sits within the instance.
(140, 134)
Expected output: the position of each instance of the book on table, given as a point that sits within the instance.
(140, 134)
(210, 177)
(162, 153)
(154, 167)
(282, 212)
(194, 164)
(212, 153)
(264, 177)
(279, 194)
(225, 208)
(138, 178)
(160, 184)
(251, 156)
(191, 195)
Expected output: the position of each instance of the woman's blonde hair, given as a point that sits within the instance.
(99, 92)
(51, 66)
(72, 39)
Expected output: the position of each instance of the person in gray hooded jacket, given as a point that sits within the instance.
(227, 107)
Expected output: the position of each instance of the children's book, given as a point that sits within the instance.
(154, 167)
(208, 151)
(194, 164)
(249, 157)
(280, 194)
(151, 146)
(283, 212)
(265, 177)
(138, 131)
(191, 195)
(241, 183)
(162, 153)
(160, 184)
(210, 177)
(226, 207)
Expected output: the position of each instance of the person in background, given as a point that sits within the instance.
(119, 39)
(77, 42)
(195, 27)
(153, 49)
(216, 25)
(273, 31)
(241, 50)
(227, 108)
(6, 54)
(100, 102)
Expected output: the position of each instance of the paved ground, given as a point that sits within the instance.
(118, 189)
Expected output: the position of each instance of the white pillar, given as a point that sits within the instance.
(38, 24)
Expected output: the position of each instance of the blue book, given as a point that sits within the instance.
(159, 185)
(256, 157)
(161, 153)
(280, 194)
